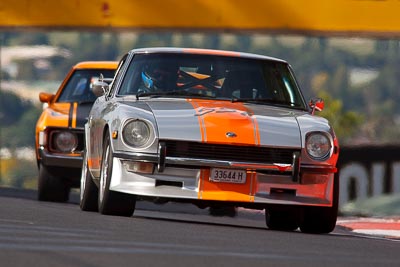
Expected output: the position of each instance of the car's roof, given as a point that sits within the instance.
(96, 65)
(202, 52)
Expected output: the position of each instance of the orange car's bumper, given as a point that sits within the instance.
(60, 160)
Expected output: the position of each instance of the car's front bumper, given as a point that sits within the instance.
(314, 186)
(60, 160)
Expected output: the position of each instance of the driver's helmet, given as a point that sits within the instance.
(160, 77)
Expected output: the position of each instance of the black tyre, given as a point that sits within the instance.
(111, 202)
(322, 220)
(282, 218)
(89, 192)
(51, 187)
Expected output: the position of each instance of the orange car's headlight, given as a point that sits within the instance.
(65, 141)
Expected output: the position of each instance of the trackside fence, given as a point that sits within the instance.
(367, 171)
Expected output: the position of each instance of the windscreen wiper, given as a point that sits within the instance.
(266, 100)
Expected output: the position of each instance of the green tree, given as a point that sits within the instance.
(18, 120)
(11, 108)
(345, 123)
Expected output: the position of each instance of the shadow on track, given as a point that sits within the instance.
(31, 194)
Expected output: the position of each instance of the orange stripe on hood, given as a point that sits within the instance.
(218, 118)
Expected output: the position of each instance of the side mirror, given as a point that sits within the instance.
(100, 88)
(316, 104)
(46, 97)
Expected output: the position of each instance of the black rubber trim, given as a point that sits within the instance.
(71, 112)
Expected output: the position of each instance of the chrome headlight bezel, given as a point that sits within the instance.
(137, 133)
(319, 145)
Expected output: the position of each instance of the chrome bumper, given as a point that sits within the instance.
(184, 180)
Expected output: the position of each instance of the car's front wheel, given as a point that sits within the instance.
(322, 220)
(285, 218)
(111, 202)
(51, 187)
(88, 191)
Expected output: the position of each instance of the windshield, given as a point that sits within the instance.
(209, 76)
(78, 87)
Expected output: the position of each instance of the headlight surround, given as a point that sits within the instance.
(318, 145)
(136, 133)
(65, 142)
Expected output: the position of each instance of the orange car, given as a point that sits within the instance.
(60, 129)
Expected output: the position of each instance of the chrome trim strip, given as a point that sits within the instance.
(289, 168)
(229, 164)
(205, 162)
(143, 157)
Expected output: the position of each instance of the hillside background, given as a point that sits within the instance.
(358, 78)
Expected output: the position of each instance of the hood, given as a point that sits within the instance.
(72, 115)
(224, 122)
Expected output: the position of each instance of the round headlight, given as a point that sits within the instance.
(65, 141)
(136, 133)
(318, 145)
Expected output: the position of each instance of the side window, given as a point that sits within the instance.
(80, 87)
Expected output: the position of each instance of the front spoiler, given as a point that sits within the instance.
(314, 188)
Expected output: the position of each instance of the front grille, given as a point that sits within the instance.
(254, 154)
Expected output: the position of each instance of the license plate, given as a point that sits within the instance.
(228, 176)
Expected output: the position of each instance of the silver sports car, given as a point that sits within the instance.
(213, 128)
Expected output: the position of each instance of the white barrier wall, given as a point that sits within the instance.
(368, 171)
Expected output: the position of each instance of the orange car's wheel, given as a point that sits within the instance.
(285, 218)
(111, 202)
(51, 187)
(322, 220)
(88, 191)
